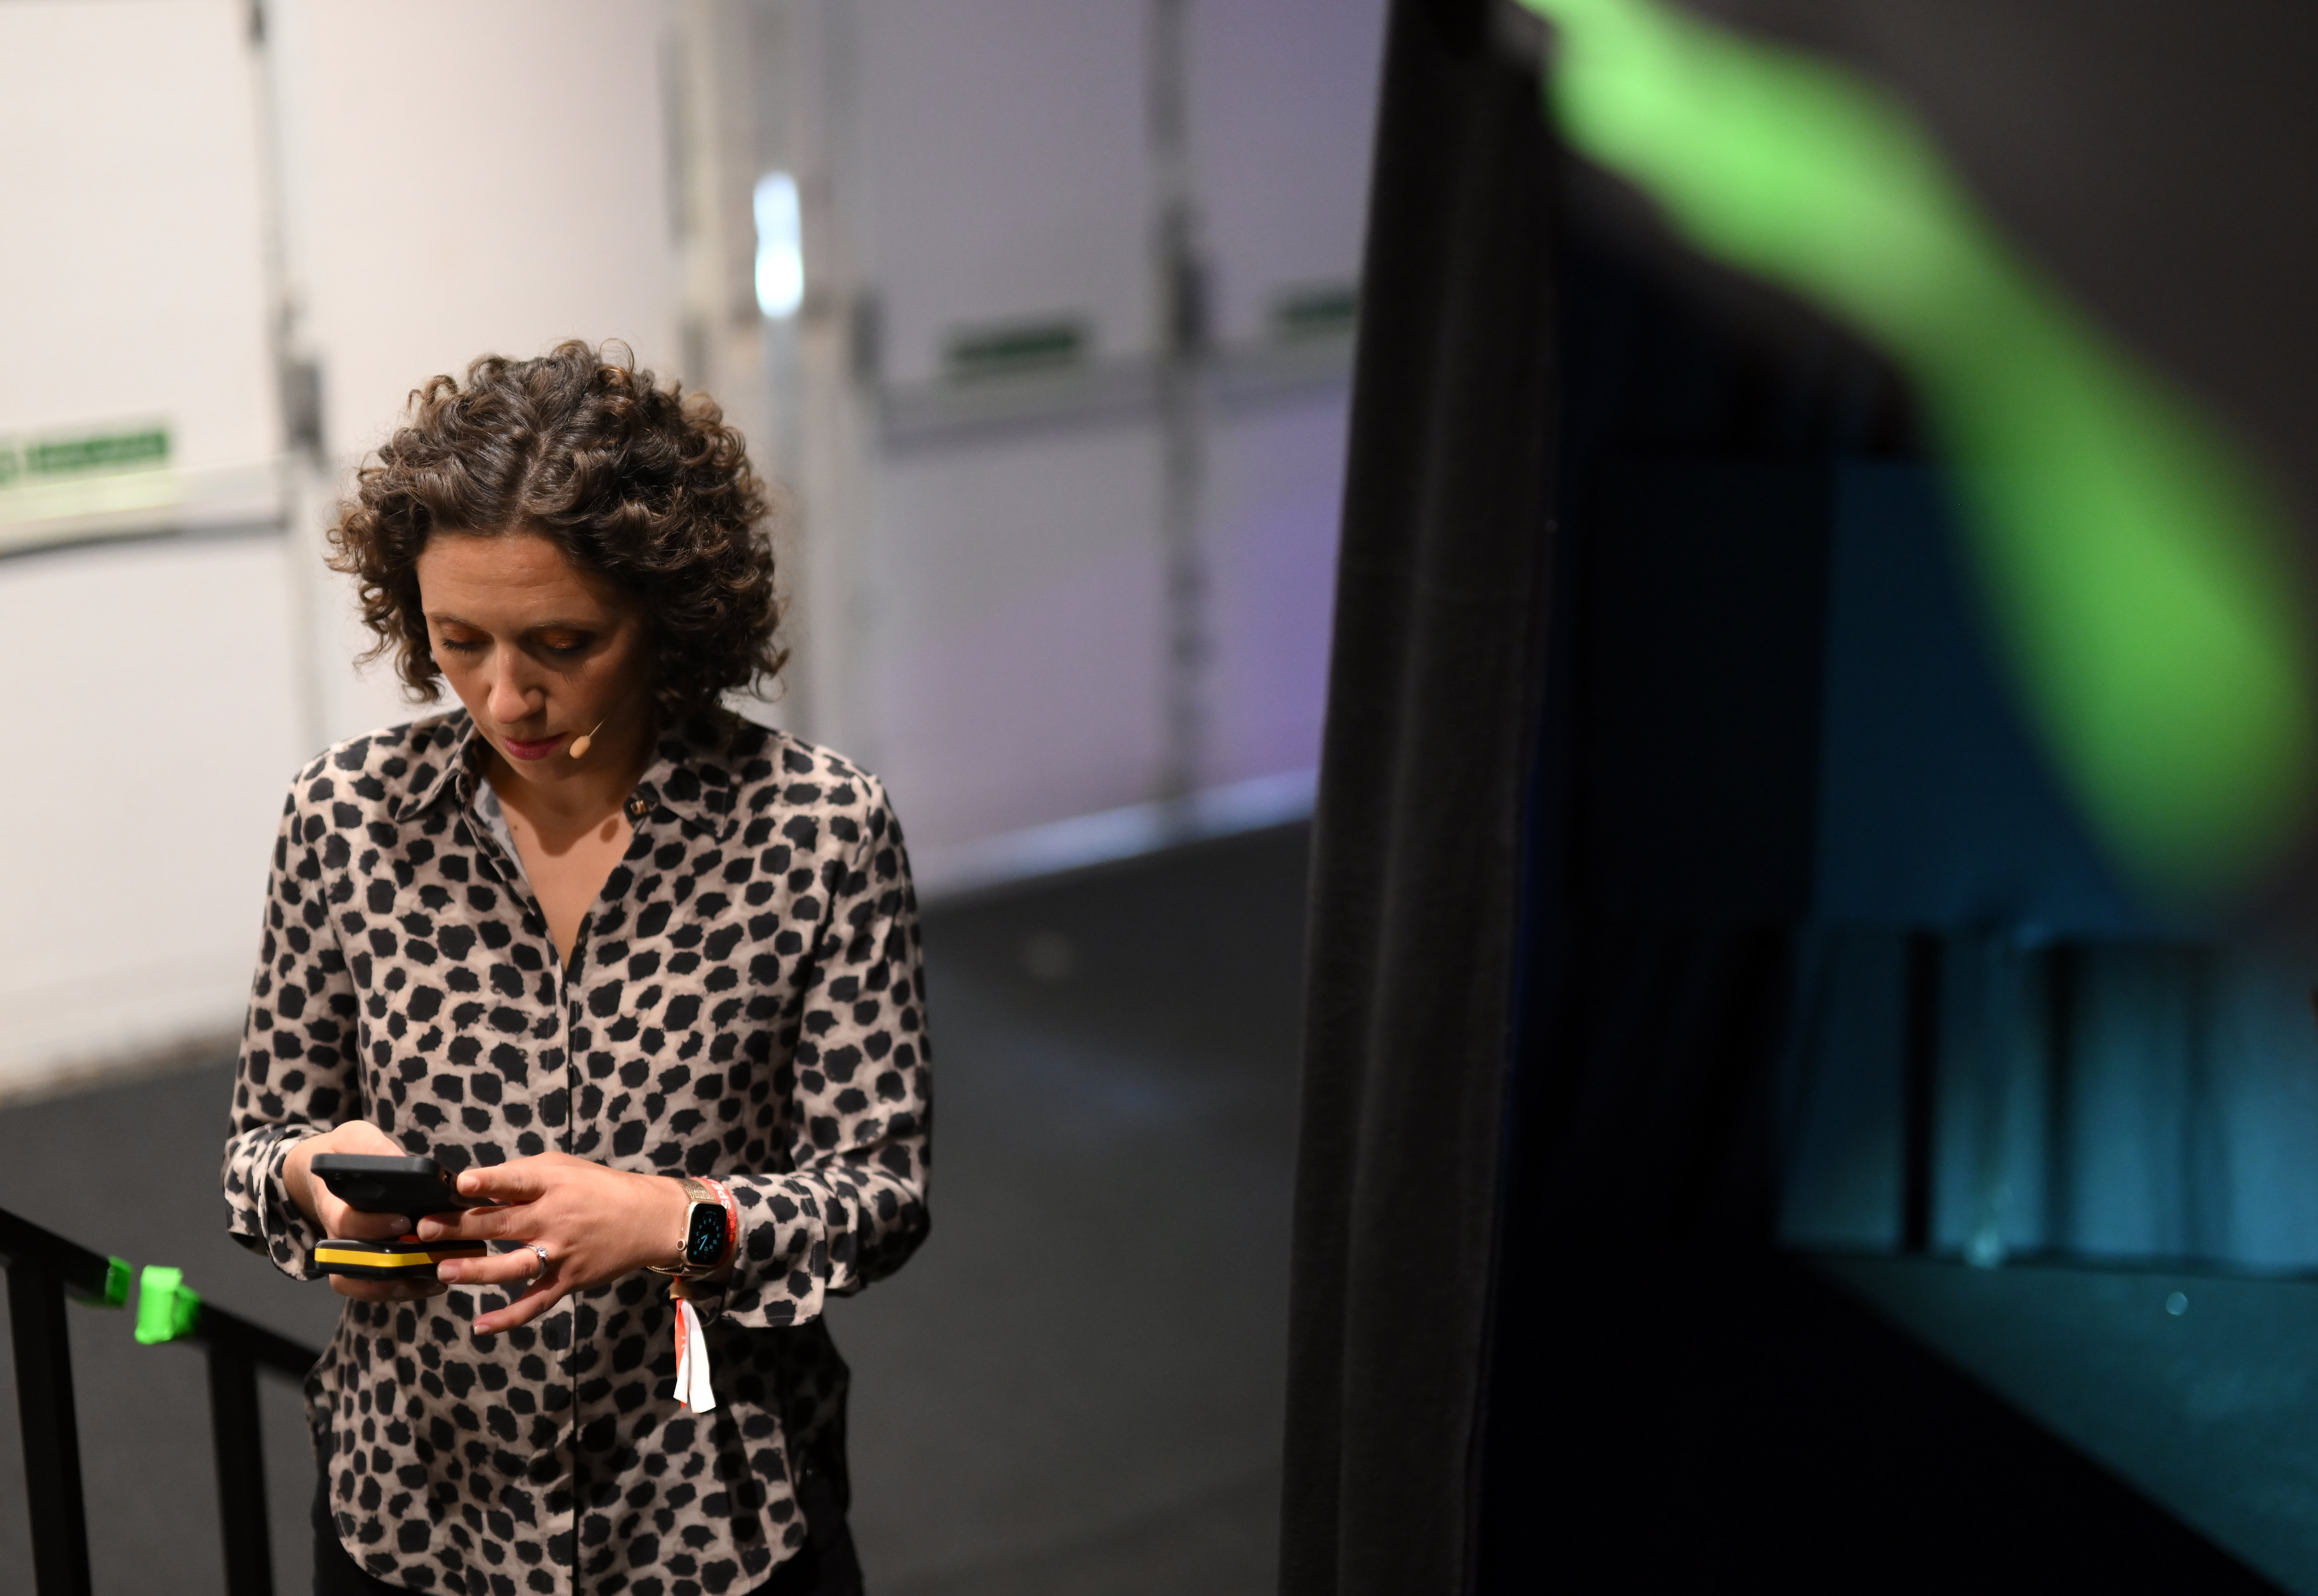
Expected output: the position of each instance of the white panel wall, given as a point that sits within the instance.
(1016, 627)
(1283, 108)
(1284, 104)
(1005, 149)
(131, 233)
(1275, 502)
(151, 714)
(1020, 630)
(149, 720)
(459, 177)
(462, 175)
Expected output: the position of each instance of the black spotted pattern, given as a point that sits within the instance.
(743, 1001)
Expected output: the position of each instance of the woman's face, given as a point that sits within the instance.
(539, 650)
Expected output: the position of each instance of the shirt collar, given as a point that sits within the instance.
(690, 777)
(445, 757)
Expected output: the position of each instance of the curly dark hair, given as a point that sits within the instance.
(641, 483)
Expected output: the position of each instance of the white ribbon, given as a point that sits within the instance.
(692, 1388)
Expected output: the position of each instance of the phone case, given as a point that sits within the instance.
(371, 1183)
(390, 1261)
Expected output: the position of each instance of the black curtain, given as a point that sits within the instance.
(1434, 694)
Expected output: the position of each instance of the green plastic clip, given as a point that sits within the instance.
(167, 1309)
(114, 1292)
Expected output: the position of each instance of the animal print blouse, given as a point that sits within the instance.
(743, 1000)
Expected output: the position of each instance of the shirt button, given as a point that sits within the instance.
(638, 809)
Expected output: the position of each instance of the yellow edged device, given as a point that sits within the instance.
(406, 1260)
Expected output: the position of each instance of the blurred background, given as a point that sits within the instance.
(1040, 311)
(1883, 1154)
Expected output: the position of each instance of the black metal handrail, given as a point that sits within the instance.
(43, 1269)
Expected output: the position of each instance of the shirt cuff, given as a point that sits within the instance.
(269, 1221)
(781, 1262)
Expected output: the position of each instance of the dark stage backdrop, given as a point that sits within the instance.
(1569, 835)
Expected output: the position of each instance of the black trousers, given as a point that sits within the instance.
(824, 1565)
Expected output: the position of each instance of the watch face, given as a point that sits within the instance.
(704, 1243)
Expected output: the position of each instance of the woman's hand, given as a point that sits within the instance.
(322, 1206)
(596, 1223)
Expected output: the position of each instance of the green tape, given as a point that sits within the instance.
(113, 1292)
(167, 1309)
(2134, 561)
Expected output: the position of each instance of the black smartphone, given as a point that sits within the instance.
(369, 1183)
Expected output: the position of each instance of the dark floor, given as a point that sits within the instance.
(1076, 1387)
(1735, 1419)
(2200, 1390)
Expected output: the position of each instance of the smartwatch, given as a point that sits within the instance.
(707, 1232)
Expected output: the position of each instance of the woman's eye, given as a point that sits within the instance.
(461, 645)
(564, 646)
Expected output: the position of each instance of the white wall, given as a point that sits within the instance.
(1005, 141)
(1017, 634)
(149, 715)
(151, 699)
(1275, 499)
(1283, 102)
(132, 282)
(485, 175)
(453, 176)
(1021, 628)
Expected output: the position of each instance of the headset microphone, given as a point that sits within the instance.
(582, 743)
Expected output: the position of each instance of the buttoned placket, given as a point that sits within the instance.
(517, 882)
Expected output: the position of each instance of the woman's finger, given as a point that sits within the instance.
(475, 1224)
(518, 1181)
(518, 1267)
(355, 1226)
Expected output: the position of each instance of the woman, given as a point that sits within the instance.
(586, 936)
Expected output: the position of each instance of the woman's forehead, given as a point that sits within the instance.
(510, 575)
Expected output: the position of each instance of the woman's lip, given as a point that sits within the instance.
(535, 750)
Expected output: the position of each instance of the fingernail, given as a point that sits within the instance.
(447, 1270)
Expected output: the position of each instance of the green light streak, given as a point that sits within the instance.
(2133, 559)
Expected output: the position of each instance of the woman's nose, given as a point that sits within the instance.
(511, 700)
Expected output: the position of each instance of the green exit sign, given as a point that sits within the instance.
(27, 461)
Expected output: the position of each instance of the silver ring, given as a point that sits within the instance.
(543, 1259)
